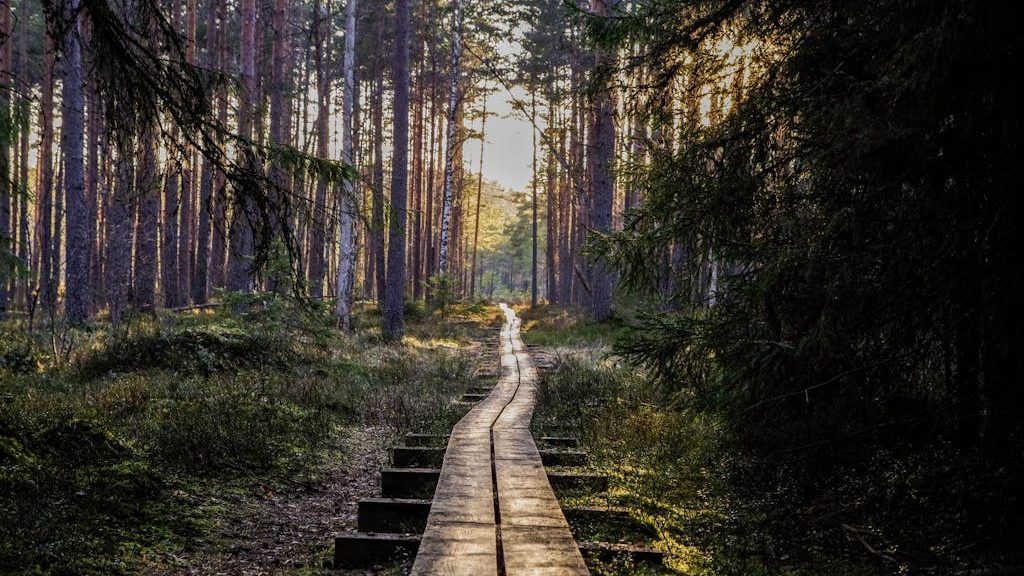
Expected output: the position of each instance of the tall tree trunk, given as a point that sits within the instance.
(551, 191)
(450, 138)
(187, 220)
(76, 299)
(323, 82)
(279, 120)
(119, 223)
(204, 252)
(347, 244)
(6, 234)
(47, 282)
(479, 195)
(428, 234)
(24, 244)
(603, 185)
(417, 176)
(240, 272)
(533, 201)
(377, 260)
(147, 183)
(171, 206)
(393, 320)
(94, 197)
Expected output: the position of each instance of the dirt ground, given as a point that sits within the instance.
(289, 532)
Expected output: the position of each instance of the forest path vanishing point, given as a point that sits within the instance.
(494, 510)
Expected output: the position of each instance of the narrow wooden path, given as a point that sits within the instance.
(494, 511)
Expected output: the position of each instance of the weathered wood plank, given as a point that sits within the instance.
(493, 495)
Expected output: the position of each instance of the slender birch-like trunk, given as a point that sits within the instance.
(347, 244)
(450, 136)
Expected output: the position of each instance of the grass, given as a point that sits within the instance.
(720, 509)
(113, 446)
(666, 464)
(553, 326)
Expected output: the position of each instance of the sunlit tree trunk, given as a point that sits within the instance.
(46, 282)
(393, 320)
(417, 173)
(551, 206)
(533, 201)
(450, 138)
(6, 198)
(347, 210)
(479, 196)
(323, 80)
(24, 244)
(376, 235)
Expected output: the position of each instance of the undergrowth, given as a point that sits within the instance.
(103, 452)
(720, 508)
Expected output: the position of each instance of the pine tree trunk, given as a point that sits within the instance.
(24, 247)
(187, 220)
(603, 184)
(378, 257)
(6, 235)
(240, 273)
(147, 183)
(318, 224)
(279, 120)
(119, 223)
(417, 178)
(533, 198)
(393, 320)
(76, 299)
(551, 209)
(46, 283)
(479, 196)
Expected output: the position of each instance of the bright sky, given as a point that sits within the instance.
(508, 150)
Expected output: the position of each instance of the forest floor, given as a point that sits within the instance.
(212, 443)
(288, 531)
(230, 444)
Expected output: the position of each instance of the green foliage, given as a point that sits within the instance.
(191, 349)
(20, 353)
(553, 326)
(106, 462)
(856, 207)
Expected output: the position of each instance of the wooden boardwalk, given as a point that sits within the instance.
(494, 511)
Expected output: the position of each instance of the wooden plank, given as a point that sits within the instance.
(492, 464)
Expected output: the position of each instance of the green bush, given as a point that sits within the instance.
(204, 349)
(20, 353)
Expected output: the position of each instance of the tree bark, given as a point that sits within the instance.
(533, 201)
(479, 196)
(6, 234)
(346, 241)
(603, 185)
(76, 299)
(323, 82)
(393, 320)
(46, 283)
(450, 138)
(240, 272)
